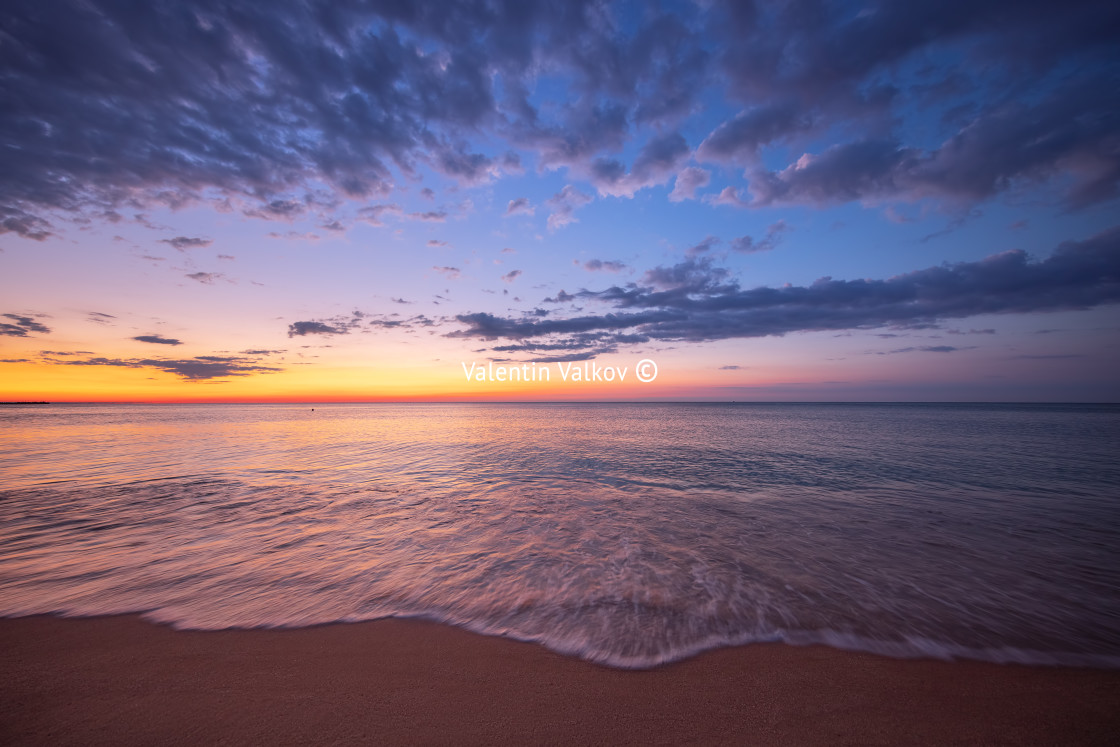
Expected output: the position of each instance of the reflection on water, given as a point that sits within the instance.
(626, 534)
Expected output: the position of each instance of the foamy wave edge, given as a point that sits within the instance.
(910, 647)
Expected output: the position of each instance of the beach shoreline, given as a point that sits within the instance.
(123, 680)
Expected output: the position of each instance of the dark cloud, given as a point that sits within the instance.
(395, 321)
(116, 104)
(561, 297)
(183, 243)
(520, 206)
(206, 278)
(157, 340)
(259, 107)
(300, 329)
(15, 220)
(739, 139)
(430, 216)
(99, 318)
(748, 245)
(200, 368)
(923, 349)
(1008, 145)
(21, 326)
(703, 247)
(512, 275)
(697, 301)
(467, 168)
(656, 163)
(599, 265)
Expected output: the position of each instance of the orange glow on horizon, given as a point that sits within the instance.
(62, 383)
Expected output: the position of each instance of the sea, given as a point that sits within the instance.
(626, 534)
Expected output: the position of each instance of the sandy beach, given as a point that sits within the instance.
(122, 680)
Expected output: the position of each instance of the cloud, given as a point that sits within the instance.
(182, 243)
(728, 196)
(204, 277)
(22, 326)
(394, 321)
(520, 206)
(429, 216)
(747, 245)
(696, 301)
(564, 203)
(598, 265)
(1012, 144)
(561, 297)
(436, 243)
(199, 368)
(301, 329)
(688, 181)
(466, 168)
(703, 247)
(512, 275)
(372, 214)
(924, 349)
(657, 161)
(739, 139)
(277, 209)
(99, 318)
(290, 235)
(287, 109)
(157, 340)
(15, 220)
(451, 273)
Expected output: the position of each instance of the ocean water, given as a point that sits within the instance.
(627, 534)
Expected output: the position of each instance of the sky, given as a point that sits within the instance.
(350, 201)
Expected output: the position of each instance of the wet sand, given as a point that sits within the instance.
(121, 680)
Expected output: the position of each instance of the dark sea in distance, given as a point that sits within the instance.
(627, 534)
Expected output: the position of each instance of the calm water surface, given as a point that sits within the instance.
(625, 534)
